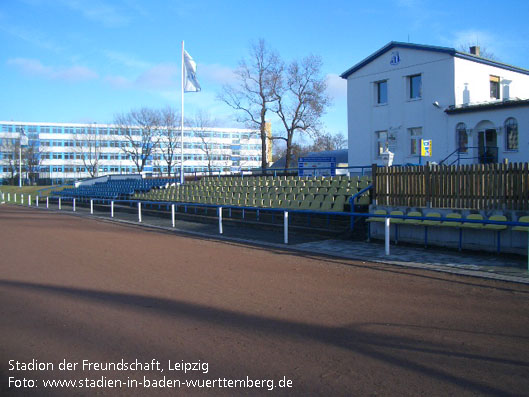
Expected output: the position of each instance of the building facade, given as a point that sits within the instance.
(471, 109)
(63, 152)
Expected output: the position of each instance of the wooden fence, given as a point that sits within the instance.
(478, 186)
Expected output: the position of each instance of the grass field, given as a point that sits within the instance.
(25, 190)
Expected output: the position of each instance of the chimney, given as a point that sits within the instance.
(474, 50)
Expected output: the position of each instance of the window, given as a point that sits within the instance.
(494, 87)
(382, 92)
(415, 140)
(511, 134)
(462, 138)
(415, 84)
(382, 142)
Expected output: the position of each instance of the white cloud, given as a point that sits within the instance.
(336, 86)
(159, 77)
(216, 73)
(98, 11)
(34, 67)
(126, 60)
(165, 77)
(407, 3)
(31, 36)
(119, 82)
(478, 37)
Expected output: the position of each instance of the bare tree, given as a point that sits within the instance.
(322, 142)
(297, 150)
(200, 124)
(326, 142)
(301, 100)
(141, 129)
(88, 147)
(10, 151)
(483, 50)
(32, 160)
(253, 96)
(169, 137)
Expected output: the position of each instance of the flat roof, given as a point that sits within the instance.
(97, 125)
(476, 107)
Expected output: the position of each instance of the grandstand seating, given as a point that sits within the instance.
(114, 189)
(318, 194)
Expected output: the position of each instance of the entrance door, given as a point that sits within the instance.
(487, 147)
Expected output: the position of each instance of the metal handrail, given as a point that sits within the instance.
(351, 213)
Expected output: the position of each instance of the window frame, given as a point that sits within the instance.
(508, 129)
(460, 130)
(381, 143)
(494, 80)
(410, 87)
(378, 85)
(417, 139)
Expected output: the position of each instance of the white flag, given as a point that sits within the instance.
(190, 67)
(24, 141)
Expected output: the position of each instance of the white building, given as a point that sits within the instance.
(472, 109)
(61, 150)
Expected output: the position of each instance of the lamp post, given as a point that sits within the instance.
(22, 137)
(20, 163)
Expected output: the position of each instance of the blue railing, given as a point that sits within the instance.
(387, 217)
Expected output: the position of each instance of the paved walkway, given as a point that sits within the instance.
(507, 268)
(500, 267)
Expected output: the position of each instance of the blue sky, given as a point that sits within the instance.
(86, 60)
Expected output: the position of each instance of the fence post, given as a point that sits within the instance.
(15, 198)
(37, 201)
(29, 200)
(47, 202)
(21, 198)
(285, 226)
(172, 214)
(139, 211)
(112, 209)
(91, 206)
(73, 205)
(386, 235)
(427, 185)
(220, 220)
(373, 182)
(8, 196)
(59, 203)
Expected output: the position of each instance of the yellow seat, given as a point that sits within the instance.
(496, 218)
(522, 228)
(294, 204)
(377, 212)
(326, 206)
(315, 205)
(432, 215)
(396, 220)
(412, 221)
(305, 204)
(476, 217)
(339, 204)
(452, 215)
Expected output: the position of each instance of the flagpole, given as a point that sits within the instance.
(182, 123)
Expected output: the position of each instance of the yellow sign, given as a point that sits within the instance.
(426, 147)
